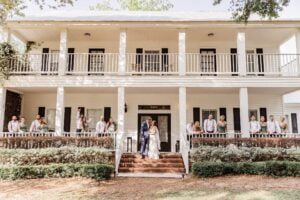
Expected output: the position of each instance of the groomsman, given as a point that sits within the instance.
(100, 126)
(254, 125)
(210, 125)
(13, 125)
(35, 124)
(273, 125)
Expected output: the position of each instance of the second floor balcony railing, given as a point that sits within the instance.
(220, 64)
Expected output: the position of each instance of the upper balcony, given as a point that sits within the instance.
(221, 51)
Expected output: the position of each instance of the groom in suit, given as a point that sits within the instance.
(145, 137)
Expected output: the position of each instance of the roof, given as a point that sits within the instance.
(136, 16)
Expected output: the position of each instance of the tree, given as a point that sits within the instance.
(135, 5)
(242, 9)
(10, 8)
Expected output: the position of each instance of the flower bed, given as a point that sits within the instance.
(89, 155)
(247, 142)
(272, 168)
(45, 142)
(95, 171)
(243, 154)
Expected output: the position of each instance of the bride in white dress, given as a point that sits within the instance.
(154, 143)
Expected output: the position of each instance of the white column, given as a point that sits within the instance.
(182, 54)
(121, 111)
(7, 35)
(60, 110)
(122, 53)
(241, 50)
(63, 51)
(182, 111)
(244, 109)
(297, 35)
(2, 107)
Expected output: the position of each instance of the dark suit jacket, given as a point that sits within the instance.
(145, 130)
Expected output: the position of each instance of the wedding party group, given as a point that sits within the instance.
(210, 125)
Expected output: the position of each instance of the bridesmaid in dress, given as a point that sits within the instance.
(222, 125)
(283, 125)
(263, 125)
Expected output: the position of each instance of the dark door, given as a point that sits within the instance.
(67, 122)
(208, 60)
(294, 123)
(260, 59)
(71, 52)
(164, 127)
(234, 62)
(45, 59)
(96, 60)
(236, 120)
(13, 106)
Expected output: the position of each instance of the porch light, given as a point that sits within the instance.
(210, 34)
(87, 34)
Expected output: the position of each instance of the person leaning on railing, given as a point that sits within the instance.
(254, 125)
(13, 125)
(23, 128)
(43, 128)
(283, 125)
(111, 126)
(222, 125)
(210, 125)
(273, 126)
(35, 124)
(263, 125)
(101, 125)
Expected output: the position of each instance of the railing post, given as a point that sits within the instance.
(182, 53)
(122, 53)
(244, 107)
(298, 50)
(63, 52)
(60, 110)
(2, 107)
(241, 50)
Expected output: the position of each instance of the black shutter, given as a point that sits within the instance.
(236, 119)
(294, 123)
(41, 111)
(71, 52)
(82, 110)
(196, 114)
(233, 61)
(139, 56)
(67, 119)
(223, 112)
(107, 113)
(263, 112)
(260, 59)
(45, 58)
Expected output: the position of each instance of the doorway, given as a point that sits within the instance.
(164, 127)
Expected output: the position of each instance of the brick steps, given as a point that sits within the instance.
(169, 163)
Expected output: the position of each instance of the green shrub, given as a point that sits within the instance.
(243, 154)
(273, 168)
(89, 155)
(95, 171)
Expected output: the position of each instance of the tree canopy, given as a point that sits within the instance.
(135, 5)
(243, 9)
(10, 8)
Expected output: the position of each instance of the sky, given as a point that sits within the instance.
(179, 5)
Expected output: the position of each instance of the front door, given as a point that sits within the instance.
(164, 127)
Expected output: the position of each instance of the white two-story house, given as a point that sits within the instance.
(175, 67)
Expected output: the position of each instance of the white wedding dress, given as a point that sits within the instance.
(154, 144)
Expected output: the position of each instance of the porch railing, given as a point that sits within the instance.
(273, 64)
(220, 64)
(159, 64)
(92, 63)
(44, 64)
(211, 64)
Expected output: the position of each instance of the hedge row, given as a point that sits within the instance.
(95, 171)
(90, 155)
(243, 154)
(46, 142)
(272, 168)
(247, 142)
